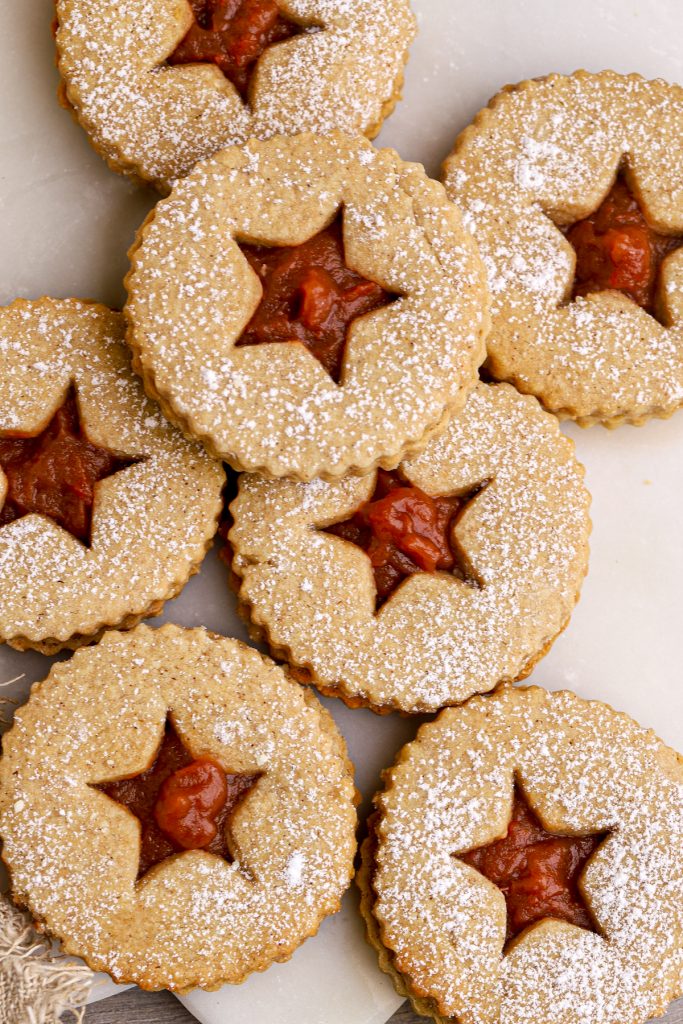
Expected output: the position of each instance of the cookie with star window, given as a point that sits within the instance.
(106, 510)
(573, 188)
(307, 306)
(175, 809)
(160, 84)
(416, 588)
(525, 863)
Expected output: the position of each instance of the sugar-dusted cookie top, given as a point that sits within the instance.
(526, 865)
(161, 84)
(75, 834)
(413, 590)
(307, 306)
(105, 509)
(573, 188)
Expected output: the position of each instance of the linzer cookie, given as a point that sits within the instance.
(160, 84)
(525, 864)
(573, 188)
(175, 809)
(105, 509)
(415, 589)
(307, 306)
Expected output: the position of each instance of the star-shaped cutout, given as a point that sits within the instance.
(404, 530)
(310, 296)
(233, 34)
(537, 871)
(181, 802)
(617, 249)
(54, 473)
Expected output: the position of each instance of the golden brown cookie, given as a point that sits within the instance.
(156, 89)
(387, 272)
(584, 920)
(76, 837)
(495, 514)
(573, 188)
(105, 509)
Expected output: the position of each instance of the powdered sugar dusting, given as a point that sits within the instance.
(73, 852)
(436, 640)
(294, 870)
(584, 768)
(158, 120)
(542, 157)
(152, 522)
(274, 407)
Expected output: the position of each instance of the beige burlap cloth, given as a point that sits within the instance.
(37, 986)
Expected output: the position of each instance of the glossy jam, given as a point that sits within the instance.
(617, 249)
(182, 803)
(403, 530)
(233, 34)
(310, 296)
(536, 871)
(189, 802)
(54, 473)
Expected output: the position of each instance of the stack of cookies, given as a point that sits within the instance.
(384, 360)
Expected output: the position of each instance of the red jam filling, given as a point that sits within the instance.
(404, 531)
(182, 803)
(233, 34)
(536, 871)
(189, 802)
(617, 249)
(310, 296)
(54, 473)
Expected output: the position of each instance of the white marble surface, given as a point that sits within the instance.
(65, 224)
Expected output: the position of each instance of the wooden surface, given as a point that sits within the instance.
(135, 1007)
